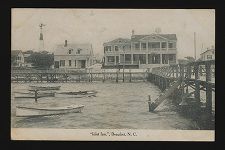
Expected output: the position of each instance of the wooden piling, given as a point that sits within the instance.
(208, 89)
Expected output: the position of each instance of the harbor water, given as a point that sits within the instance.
(116, 106)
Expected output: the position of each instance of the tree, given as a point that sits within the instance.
(41, 59)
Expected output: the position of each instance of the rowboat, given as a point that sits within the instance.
(32, 95)
(79, 94)
(22, 111)
(43, 88)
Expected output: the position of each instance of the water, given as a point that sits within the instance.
(116, 106)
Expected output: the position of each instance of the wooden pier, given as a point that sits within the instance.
(197, 78)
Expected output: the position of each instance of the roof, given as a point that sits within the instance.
(167, 36)
(15, 52)
(118, 41)
(85, 49)
(212, 49)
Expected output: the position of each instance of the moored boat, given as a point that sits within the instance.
(22, 111)
(79, 94)
(43, 88)
(32, 95)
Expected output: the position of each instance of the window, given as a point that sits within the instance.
(152, 45)
(108, 48)
(172, 45)
(69, 62)
(137, 46)
(111, 58)
(78, 51)
(128, 58)
(116, 48)
(142, 58)
(70, 51)
(209, 56)
(117, 59)
(163, 44)
(143, 46)
(62, 62)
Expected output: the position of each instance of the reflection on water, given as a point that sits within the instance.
(116, 106)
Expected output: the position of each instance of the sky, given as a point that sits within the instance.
(97, 26)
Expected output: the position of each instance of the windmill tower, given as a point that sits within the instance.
(41, 39)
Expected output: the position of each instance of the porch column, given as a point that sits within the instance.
(146, 58)
(160, 46)
(132, 61)
(119, 58)
(160, 58)
(139, 46)
(105, 60)
(115, 60)
(167, 46)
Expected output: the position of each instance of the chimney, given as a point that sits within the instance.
(132, 32)
(65, 43)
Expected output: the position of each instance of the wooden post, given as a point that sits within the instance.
(91, 77)
(123, 75)
(208, 89)
(182, 79)
(177, 71)
(17, 78)
(188, 77)
(197, 84)
(117, 76)
(47, 77)
(35, 95)
(130, 76)
(149, 102)
(103, 76)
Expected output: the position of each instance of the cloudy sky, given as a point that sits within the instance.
(97, 26)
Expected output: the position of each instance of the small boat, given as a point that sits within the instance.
(79, 94)
(22, 111)
(43, 88)
(32, 95)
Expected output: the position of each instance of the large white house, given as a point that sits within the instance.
(141, 51)
(73, 55)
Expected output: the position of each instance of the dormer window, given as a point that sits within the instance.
(70, 51)
(78, 51)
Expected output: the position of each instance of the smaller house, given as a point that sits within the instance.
(73, 56)
(26, 57)
(17, 58)
(209, 54)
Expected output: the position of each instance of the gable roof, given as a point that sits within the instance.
(167, 36)
(118, 41)
(207, 51)
(15, 52)
(85, 49)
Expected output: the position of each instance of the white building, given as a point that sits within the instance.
(73, 56)
(209, 54)
(17, 58)
(141, 51)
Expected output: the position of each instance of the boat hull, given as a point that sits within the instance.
(32, 112)
(44, 88)
(75, 94)
(31, 95)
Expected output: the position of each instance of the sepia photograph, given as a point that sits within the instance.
(112, 74)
